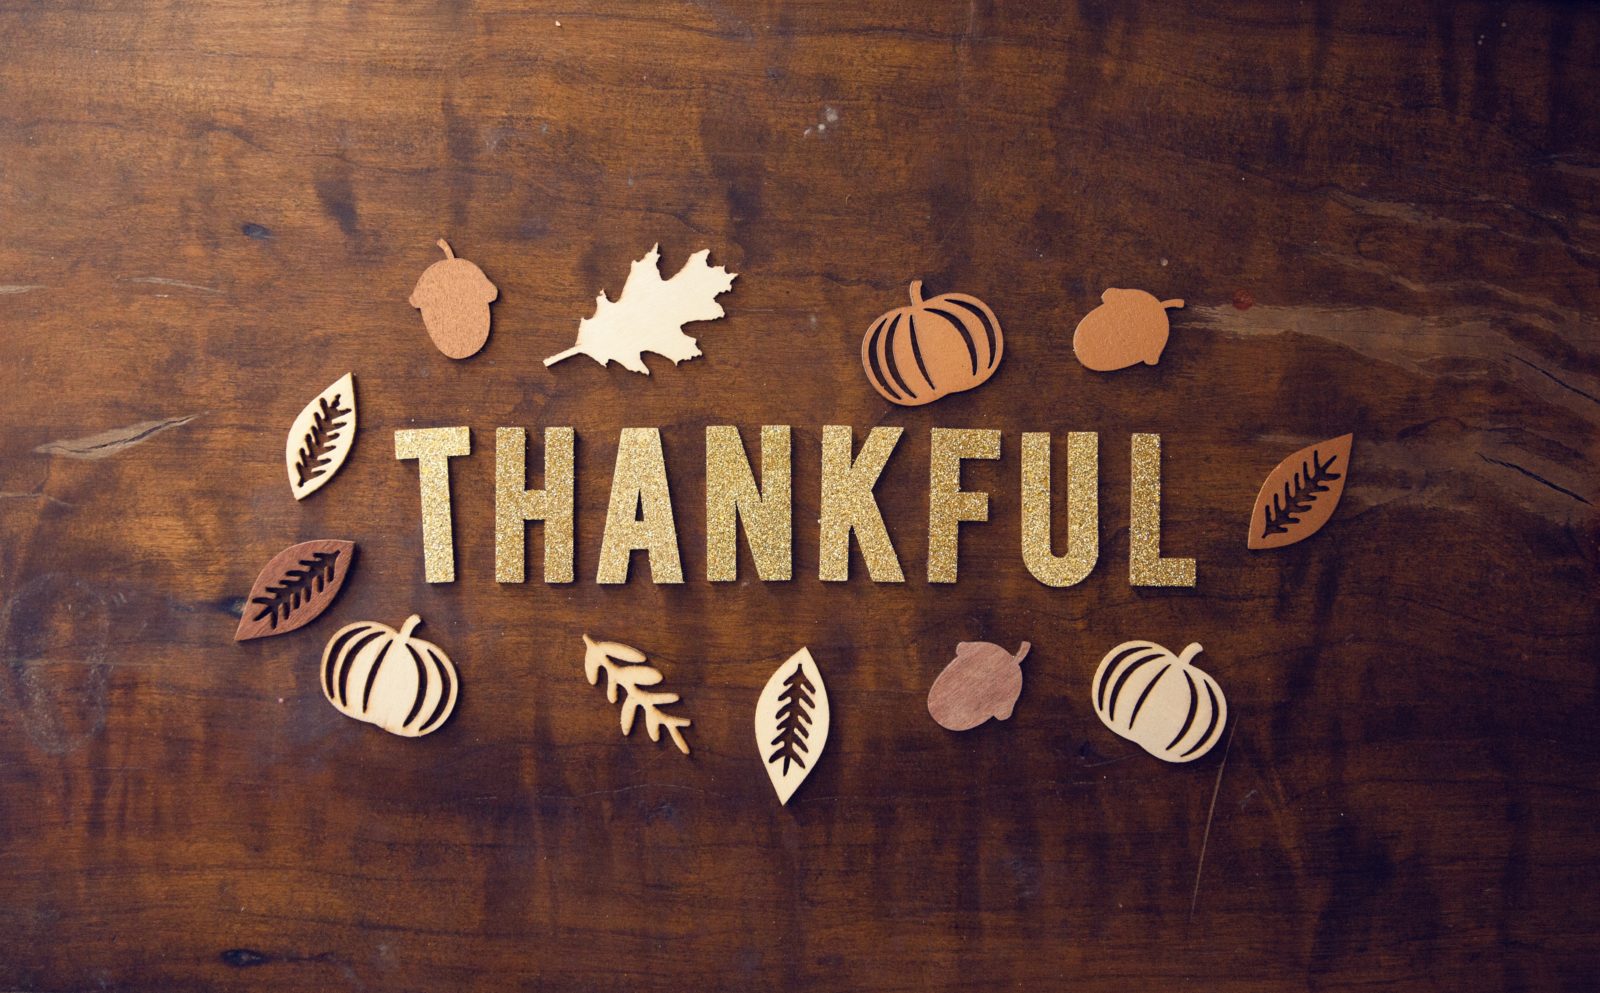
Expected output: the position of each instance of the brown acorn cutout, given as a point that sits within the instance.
(933, 348)
(982, 681)
(1129, 327)
(296, 586)
(454, 297)
(1300, 495)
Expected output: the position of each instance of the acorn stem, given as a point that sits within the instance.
(1022, 652)
(916, 293)
(446, 246)
(409, 626)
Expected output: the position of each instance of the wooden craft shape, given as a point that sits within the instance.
(454, 296)
(401, 683)
(1129, 327)
(320, 438)
(650, 313)
(633, 678)
(792, 723)
(947, 344)
(982, 681)
(1300, 495)
(295, 587)
(1160, 701)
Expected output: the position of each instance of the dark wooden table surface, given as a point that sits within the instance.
(1384, 219)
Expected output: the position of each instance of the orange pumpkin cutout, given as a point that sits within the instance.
(1129, 327)
(917, 354)
(454, 297)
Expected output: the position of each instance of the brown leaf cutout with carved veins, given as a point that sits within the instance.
(1300, 495)
(320, 437)
(295, 587)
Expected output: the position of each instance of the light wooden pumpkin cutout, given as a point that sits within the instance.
(792, 723)
(982, 681)
(1129, 327)
(454, 296)
(650, 312)
(295, 587)
(320, 438)
(1160, 701)
(1300, 495)
(401, 683)
(933, 348)
(634, 678)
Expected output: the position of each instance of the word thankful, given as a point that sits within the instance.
(639, 517)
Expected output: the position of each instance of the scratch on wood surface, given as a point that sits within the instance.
(1534, 476)
(164, 281)
(9, 288)
(1205, 839)
(112, 442)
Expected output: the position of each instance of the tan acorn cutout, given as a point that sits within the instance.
(1129, 327)
(1299, 496)
(294, 587)
(320, 438)
(933, 348)
(454, 296)
(401, 683)
(792, 723)
(649, 314)
(982, 681)
(634, 678)
(1160, 701)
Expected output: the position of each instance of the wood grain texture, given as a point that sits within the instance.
(1385, 220)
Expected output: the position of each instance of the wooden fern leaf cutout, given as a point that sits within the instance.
(792, 723)
(650, 313)
(295, 587)
(633, 678)
(1300, 495)
(320, 439)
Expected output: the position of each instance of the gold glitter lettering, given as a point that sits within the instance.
(948, 503)
(515, 505)
(433, 448)
(848, 505)
(639, 483)
(1146, 567)
(732, 496)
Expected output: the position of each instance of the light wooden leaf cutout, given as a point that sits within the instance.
(1300, 495)
(634, 678)
(792, 723)
(296, 586)
(650, 313)
(321, 437)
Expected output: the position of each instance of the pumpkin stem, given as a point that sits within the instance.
(1169, 304)
(450, 255)
(1022, 653)
(1189, 654)
(916, 293)
(409, 626)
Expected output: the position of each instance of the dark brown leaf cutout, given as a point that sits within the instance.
(1299, 496)
(295, 587)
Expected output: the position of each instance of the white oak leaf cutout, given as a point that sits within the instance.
(650, 313)
(792, 723)
(320, 438)
(633, 678)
